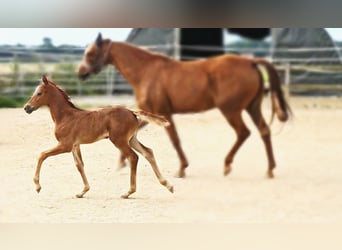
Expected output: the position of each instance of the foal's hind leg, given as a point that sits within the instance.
(76, 152)
(122, 159)
(148, 154)
(242, 133)
(255, 112)
(127, 152)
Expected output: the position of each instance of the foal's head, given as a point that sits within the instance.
(94, 58)
(39, 97)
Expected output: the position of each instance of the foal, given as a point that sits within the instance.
(74, 126)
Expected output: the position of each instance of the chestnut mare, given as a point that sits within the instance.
(74, 126)
(165, 86)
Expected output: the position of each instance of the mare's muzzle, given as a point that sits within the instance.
(83, 76)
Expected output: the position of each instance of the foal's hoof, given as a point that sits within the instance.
(125, 196)
(79, 195)
(121, 165)
(227, 170)
(38, 187)
(171, 189)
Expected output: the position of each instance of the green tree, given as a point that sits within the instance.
(47, 43)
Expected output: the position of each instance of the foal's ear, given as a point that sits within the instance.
(45, 80)
(98, 41)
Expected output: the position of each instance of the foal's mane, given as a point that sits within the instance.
(64, 94)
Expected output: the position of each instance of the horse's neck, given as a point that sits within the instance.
(130, 61)
(59, 107)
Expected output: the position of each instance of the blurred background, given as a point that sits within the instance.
(308, 60)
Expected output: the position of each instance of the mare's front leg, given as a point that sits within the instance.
(76, 152)
(59, 149)
(172, 132)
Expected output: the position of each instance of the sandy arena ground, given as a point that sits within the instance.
(307, 187)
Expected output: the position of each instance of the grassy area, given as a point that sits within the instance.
(8, 102)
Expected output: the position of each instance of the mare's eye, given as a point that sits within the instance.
(39, 93)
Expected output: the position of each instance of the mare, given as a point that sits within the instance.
(165, 86)
(74, 126)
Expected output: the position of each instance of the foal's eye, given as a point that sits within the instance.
(39, 93)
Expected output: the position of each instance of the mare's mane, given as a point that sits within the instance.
(146, 51)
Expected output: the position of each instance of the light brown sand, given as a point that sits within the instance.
(307, 187)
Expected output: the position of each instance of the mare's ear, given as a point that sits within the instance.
(45, 80)
(98, 41)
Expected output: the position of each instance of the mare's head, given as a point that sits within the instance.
(39, 97)
(94, 58)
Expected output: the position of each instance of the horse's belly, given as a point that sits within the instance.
(192, 103)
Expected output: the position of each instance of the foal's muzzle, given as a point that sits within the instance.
(29, 109)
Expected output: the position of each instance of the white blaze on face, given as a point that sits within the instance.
(36, 91)
(84, 64)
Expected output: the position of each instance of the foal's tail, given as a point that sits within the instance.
(152, 118)
(279, 103)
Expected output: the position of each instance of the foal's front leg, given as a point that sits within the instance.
(59, 149)
(76, 152)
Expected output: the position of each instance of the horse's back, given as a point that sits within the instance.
(235, 79)
(193, 86)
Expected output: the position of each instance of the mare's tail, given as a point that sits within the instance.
(151, 118)
(279, 103)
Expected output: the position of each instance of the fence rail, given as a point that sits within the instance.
(20, 68)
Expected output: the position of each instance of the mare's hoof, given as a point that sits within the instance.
(181, 173)
(227, 170)
(270, 174)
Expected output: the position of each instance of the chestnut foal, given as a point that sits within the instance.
(74, 126)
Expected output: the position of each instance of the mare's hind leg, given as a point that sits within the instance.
(148, 154)
(76, 152)
(127, 152)
(254, 111)
(242, 133)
